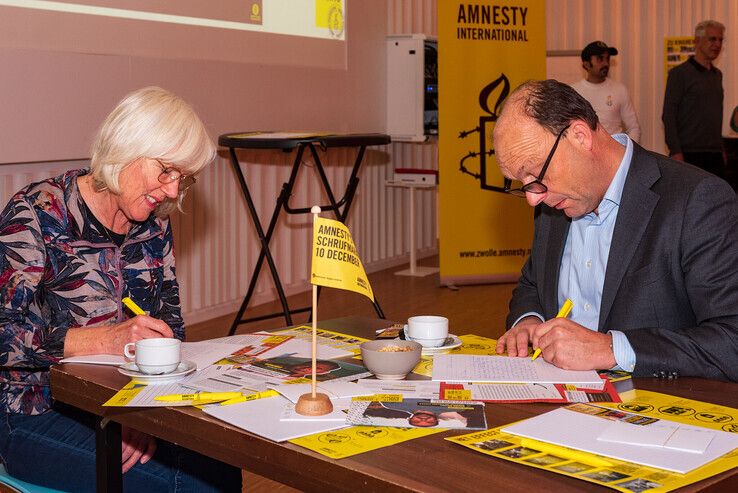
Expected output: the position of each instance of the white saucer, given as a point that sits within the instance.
(131, 370)
(450, 343)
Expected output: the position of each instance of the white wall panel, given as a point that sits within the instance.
(637, 29)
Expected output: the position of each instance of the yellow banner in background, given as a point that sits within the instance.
(336, 262)
(677, 50)
(486, 49)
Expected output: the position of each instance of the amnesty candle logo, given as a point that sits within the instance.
(336, 262)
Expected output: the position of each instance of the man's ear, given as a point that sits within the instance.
(581, 134)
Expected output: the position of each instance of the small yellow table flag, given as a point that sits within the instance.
(336, 262)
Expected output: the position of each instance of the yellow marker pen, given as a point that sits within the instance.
(563, 313)
(133, 306)
(201, 396)
(250, 397)
(565, 453)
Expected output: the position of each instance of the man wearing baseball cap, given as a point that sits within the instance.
(608, 97)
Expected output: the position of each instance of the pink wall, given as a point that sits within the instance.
(51, 102)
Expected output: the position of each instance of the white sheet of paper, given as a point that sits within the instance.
(226, 379)
(580, 431)
(262, 417)
(505, 369)
(97, 359)
(410, 389)
(654, 435)
(512, 391)
(663, 434)
(338, 415)
(205, 353)
(334, 390)
(687, 440)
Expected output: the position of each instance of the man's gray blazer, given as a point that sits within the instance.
(671, 283)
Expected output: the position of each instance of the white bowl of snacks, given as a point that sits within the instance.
(390, 359)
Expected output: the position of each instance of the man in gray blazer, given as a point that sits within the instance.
(646, 247)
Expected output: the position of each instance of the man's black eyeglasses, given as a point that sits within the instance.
(535, 186)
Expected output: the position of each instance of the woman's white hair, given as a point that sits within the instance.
(150, 123)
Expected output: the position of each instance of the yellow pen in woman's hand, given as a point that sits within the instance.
(133, 306)
(563, 313)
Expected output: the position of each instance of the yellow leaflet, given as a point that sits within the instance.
(425, 367)
(379, 398)
(358, 439)
(474, 344)
(126, 394)
(457, 395)
(501, 445)
(339, 337)
(276, 339)
(678, 409)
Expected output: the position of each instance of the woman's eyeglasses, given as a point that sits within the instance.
(169, 175)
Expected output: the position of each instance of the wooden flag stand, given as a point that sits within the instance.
(314, 403)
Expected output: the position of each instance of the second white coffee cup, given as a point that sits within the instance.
(428, 330)
(155, 356)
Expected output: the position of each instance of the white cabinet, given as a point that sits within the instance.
(412, 87)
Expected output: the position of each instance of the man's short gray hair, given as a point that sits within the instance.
(150, 123)
(701, 28)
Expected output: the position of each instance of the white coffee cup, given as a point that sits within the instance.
(155, 356)
(428, 330)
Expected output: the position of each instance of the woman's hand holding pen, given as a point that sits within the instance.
(110, 339)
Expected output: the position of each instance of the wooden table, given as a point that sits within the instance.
(425, 464)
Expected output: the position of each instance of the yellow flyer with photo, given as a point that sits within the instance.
(359, 439)
(619, 475)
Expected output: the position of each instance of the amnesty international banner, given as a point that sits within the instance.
(486, 49)
(336, 262)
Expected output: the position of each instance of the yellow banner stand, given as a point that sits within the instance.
(486, 49)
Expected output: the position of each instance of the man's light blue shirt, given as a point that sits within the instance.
(583, 265)
(584, 262)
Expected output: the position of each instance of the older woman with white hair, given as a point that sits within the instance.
(71, 247)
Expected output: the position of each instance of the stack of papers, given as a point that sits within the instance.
(629, 437)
